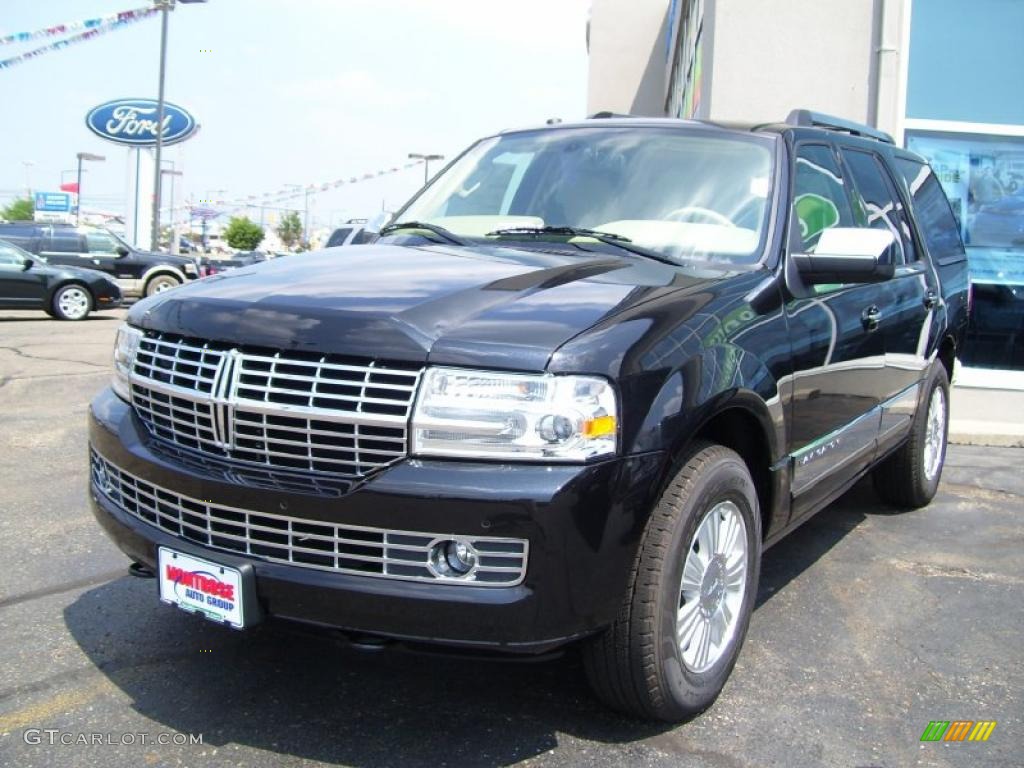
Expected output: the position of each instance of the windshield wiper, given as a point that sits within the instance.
(444, 234)
(608, 238)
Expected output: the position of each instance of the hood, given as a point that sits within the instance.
(484, 305)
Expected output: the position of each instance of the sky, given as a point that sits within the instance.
(290, 91)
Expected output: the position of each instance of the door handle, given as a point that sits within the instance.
(870, 316)
(931, 299)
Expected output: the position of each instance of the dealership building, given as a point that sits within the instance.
(941, 76)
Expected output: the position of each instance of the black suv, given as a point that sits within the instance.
(139, 273)
(585, 378)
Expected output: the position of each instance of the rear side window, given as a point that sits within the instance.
(363, 237)
(931, 208)
(819, 195)
(65, 241)
(338, 237)
(878, 203)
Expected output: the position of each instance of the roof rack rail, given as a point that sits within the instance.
(605, 115)
(805, 117)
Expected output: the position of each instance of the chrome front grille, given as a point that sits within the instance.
(308, 543)
(287, 410)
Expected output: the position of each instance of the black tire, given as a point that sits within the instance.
(636, 666)
(901, 479)
(71, 302)
(161, 283)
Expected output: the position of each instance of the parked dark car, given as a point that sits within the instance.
(67, 293)
(139, 273)
(585, 378)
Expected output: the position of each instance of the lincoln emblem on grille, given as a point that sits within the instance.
(223, 394)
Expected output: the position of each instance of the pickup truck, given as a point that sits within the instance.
(578, 386)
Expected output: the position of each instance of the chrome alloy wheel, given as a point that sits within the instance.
(713, 586)
(73, 303)
(935, 434)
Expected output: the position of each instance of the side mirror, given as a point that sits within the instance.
(121, 251)
(847, 255)
(28, 264)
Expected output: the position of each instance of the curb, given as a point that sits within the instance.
(969, 432)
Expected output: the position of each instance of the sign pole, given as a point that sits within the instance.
(78, 193)
(165, 6)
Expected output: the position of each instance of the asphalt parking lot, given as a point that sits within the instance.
(869, 625)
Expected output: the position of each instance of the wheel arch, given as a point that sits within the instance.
(742, 423)
(159, 271)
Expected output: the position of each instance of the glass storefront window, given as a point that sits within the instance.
(983, 176)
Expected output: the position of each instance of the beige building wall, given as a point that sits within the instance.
(626, 40)
(761, 58)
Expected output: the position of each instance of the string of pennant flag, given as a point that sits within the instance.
(92, 28)
(294, 193)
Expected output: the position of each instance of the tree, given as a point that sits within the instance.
(243, 234)
(290, 229)
(22, 209)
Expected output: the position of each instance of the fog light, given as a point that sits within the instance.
(452, 558)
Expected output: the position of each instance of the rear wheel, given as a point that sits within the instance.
(161, 283)
(72, 302)
(910, 477)
(684, 617)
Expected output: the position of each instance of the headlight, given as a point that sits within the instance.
(480, 414)
(191, 269)
(124, 357)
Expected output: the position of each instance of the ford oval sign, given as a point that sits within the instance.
(134, 122)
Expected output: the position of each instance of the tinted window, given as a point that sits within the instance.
(338, 237)
(100, 242)
(877, 203)
(65, 241)
(819, 195)
(363, 237)
(10, 257)
(931, 208)
(19, 234)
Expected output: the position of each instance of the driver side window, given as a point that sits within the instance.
(10, 259)
(100, 242)
(819, 194)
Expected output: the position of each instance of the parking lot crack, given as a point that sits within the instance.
(954, 572)
(21, 353)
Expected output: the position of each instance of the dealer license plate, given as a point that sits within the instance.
(199, 586)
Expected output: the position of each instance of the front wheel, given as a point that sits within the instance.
(161, 283)
(72, 302)
(682, 623)
(909, 478)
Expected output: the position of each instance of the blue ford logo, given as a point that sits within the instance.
(134, 122)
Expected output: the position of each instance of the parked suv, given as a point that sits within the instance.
(139, 273)
(585, 378)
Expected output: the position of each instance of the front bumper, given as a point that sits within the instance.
(582, 524)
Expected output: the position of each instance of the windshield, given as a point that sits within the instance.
(687, 194)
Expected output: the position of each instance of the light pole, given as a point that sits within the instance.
(28, 175)
(83, 156)
(426, 163)
(173, 243)
(165, 7)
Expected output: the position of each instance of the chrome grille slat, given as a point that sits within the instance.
(284, 410)
(352, 549)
